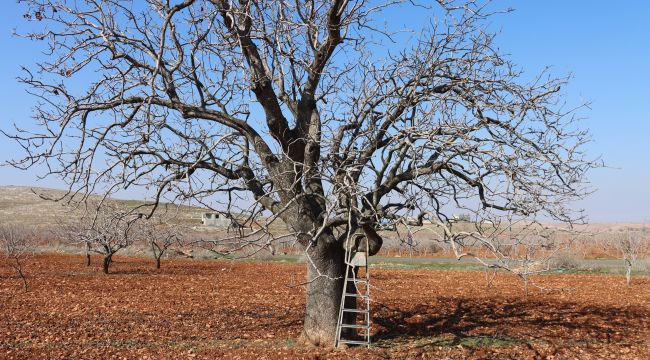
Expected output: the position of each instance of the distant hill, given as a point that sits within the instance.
(26, 205)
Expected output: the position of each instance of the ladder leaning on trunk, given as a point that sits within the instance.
(361, 291)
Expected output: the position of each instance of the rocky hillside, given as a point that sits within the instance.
(28, 205)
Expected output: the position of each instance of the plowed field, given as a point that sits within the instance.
(252, 310)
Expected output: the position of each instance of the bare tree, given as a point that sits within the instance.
(312, 112)
(16, 245)
(160, 235)
(628, 244)
(522, 247)
(105, 229)
(70, 231)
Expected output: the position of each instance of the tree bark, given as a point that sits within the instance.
(87, 254)
(325, 277)
(107, 263)
(157, 262)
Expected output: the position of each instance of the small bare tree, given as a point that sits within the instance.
(521, 247)
(16, 244)
(628, 244)
(104, 230)
(160, 235)
(70, 232)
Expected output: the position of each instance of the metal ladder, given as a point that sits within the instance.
(359, 260)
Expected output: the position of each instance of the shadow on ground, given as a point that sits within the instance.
(472, 322)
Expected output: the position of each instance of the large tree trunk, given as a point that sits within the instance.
(325, 276)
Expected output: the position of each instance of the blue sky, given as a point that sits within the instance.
(605, 46)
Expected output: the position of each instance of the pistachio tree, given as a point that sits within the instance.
(327, 115)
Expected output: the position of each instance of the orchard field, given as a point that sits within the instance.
(253, 310)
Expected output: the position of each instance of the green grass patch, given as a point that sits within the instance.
(439, 266)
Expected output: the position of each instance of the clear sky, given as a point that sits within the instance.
(604, 44)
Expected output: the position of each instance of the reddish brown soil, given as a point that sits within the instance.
(221, 309)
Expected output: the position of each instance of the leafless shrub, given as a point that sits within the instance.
(433, 247)
(566, 260)
(16, 245)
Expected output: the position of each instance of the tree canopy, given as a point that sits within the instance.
(310, 111)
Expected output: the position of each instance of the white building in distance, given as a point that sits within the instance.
(214, 219)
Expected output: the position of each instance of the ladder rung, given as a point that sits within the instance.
(357, 295)
(354, 342)
(361, 292)
(355, 326)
